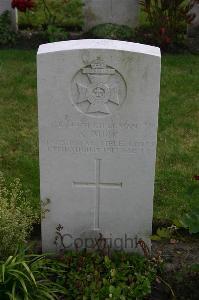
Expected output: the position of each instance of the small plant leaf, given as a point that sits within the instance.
(191, 221)
(163, 233)
(195, 268)
(29, 272)
(155, 237)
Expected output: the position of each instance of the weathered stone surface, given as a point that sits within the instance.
(123, 12)
(98, 116)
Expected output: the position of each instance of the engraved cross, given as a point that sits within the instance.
(97, 185)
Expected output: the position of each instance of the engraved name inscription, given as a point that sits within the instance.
(99, 136)
(68, 122)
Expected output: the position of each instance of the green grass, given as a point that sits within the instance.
(175, 190)
(178, 136)
(18, 115)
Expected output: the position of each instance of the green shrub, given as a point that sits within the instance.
(167, 22)
(68, 13)
(7, 36)
(111, 31)
(62, 13)
(56, 34)
(16, 216)
(76, 275)
(93, 276)
(28, 277)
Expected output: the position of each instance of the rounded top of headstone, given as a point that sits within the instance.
(99, 44)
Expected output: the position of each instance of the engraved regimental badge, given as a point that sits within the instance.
(98, 90)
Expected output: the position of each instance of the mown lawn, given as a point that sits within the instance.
(178, 137)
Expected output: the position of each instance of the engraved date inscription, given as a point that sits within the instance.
(101, 146)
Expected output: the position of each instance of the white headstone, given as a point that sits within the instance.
(119, 12)
(98, 116)
(6, 5)
(193, 27)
